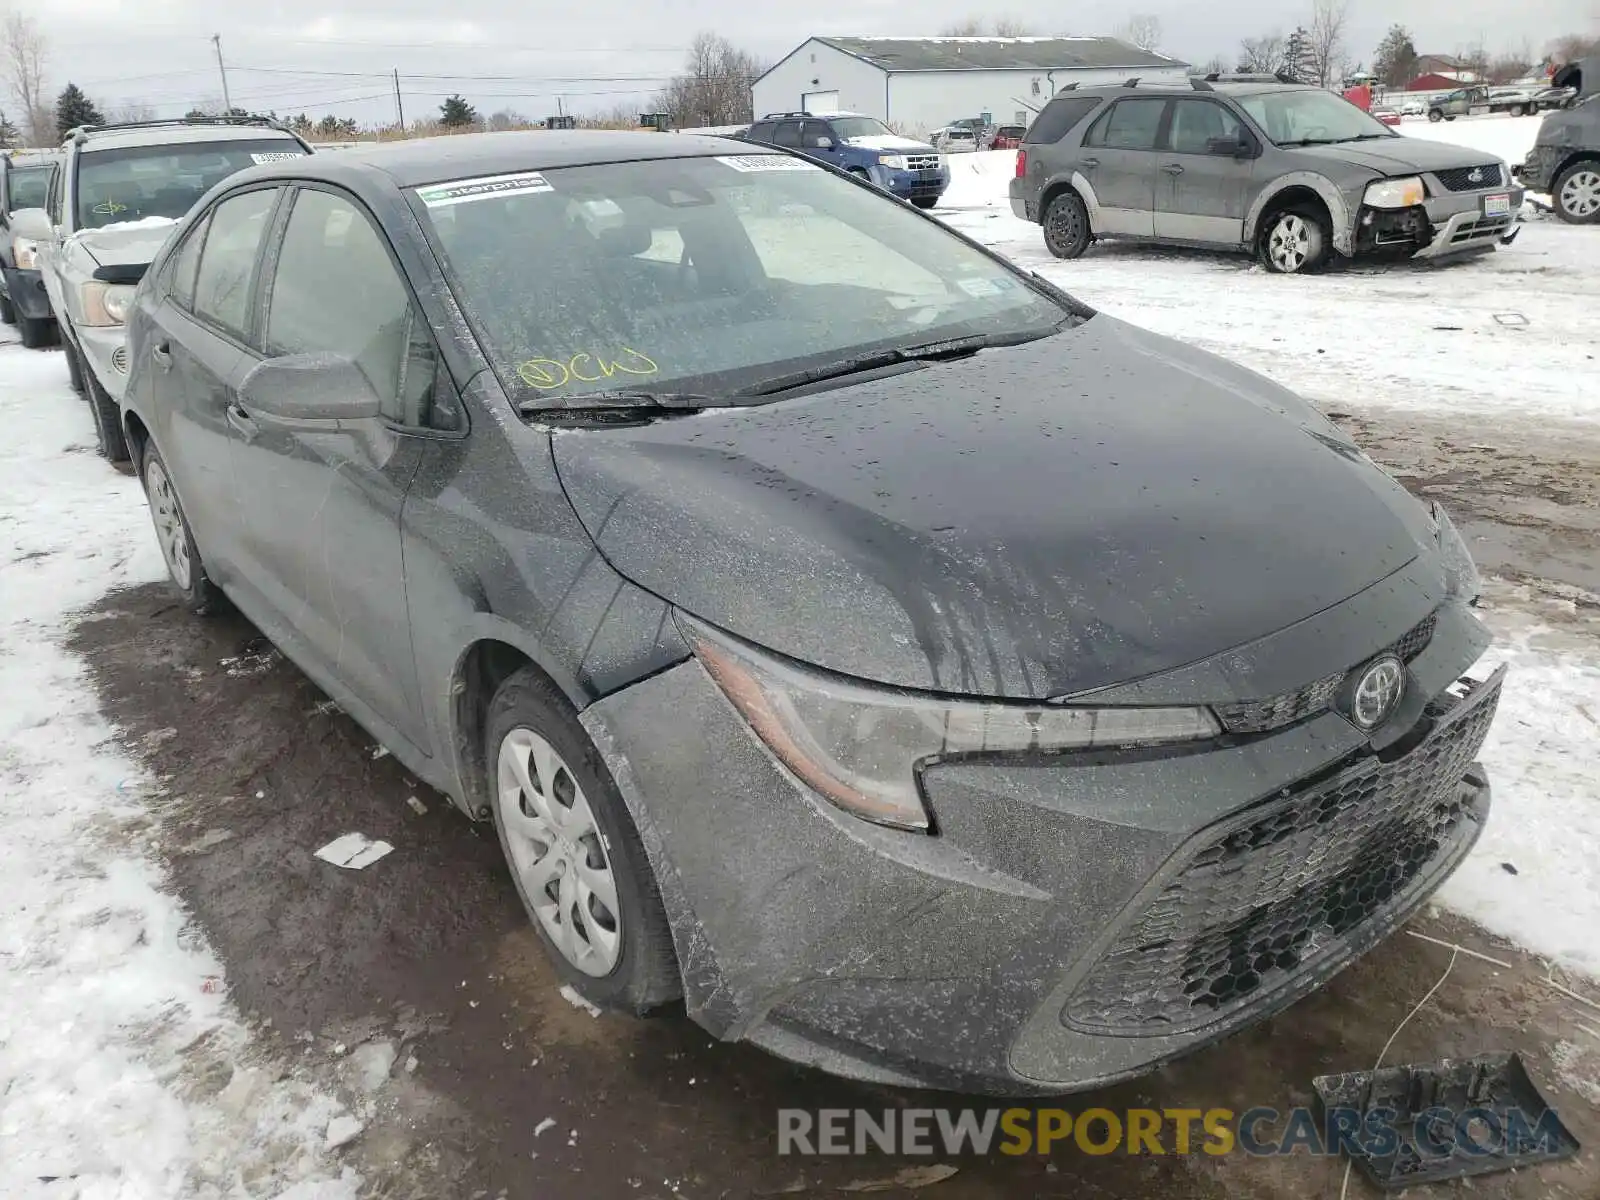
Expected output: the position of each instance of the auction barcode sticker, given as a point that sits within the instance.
(766, 162)
(461, 191)
(266, 156)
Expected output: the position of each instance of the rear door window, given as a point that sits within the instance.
(226, 278)
(761, 131)
(1130, 125)
(787, 134)
(1058, 118)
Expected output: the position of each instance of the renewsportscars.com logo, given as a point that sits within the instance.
(1263, 1132)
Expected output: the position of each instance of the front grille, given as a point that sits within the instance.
(1460, 179)
(1262, 716)
(1472, 231)
(922, 162)
(1286, 889)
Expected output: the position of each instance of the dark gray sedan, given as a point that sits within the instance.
(921, 675)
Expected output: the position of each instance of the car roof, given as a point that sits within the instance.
(471, 155)
(112, 137)
(1169, 87)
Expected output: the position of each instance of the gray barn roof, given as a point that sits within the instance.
(996, 53)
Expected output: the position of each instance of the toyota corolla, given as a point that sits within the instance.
(920, 674)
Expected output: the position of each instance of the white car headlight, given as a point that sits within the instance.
(1396, 193)
(106, 303)
(895, 162)
(25, 253)
(860, 747)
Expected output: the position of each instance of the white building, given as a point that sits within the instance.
(918, 84)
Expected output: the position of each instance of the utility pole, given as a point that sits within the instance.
(227, 104)
(399, 108)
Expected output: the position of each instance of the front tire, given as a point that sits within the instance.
(74, 365)
(1576, 193)
(575, 857)
(1067, 232)
(107, 413)
(184, 566)
(1435, 115)
(1295, 240)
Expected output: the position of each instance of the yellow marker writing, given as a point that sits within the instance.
(548, 374)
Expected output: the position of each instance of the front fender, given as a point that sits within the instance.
(1338, 208)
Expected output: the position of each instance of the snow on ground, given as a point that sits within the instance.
(124, 1071)
(1404, 337)
(1501, 335)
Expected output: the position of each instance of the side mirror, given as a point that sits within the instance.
(300, 389)
(31, 223)
(1230, 147)
(126, 273)
(824, 143)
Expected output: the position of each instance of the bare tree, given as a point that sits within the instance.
(1264, 55)
(1474, 60)
(1142, 30)
(1216, 65)
(966, 27)
(133, 110)
(1512, 65)
(1573, 46)
(23, 52)
(1328, 20)
(1012, 27)
(714, 88)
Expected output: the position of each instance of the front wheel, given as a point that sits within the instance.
(575, 857)
(1576, 193)
(187, 571)
(1435, 115)
(925, 201)
(107, 414)
(1067, 232)
(1294, 240)
(74, 365)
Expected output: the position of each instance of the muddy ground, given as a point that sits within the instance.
(418, 988)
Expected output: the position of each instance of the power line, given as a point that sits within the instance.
(517, 78)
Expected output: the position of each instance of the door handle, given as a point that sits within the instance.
(1089, 164)
(161, 354)
(243, 422)
(1173, 169)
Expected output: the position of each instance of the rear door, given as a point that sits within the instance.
(198, 351)
(787, 135)
(1202, 184)
(1119, 161)
(323, 503)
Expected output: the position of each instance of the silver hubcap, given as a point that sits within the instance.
(558, 853)
(168, 519)
(1580, 195)
(1290, 243)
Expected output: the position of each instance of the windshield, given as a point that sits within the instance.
(129, 183)
(1310, 116)
(29, 186)
(707, 275)
(859, 127)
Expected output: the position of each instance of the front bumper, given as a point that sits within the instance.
(1076, 919)
(911, 185)
(25, 290)
(1537, 172)
(105, 349)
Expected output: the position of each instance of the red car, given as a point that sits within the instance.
(1008, 137)
(1387, 115)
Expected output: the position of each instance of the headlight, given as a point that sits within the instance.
(106, 303)
(895, 162)
(1460, 572)
(1396, 193)
(861, 747)
(25, 253)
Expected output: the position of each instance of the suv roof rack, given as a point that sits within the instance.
(771, 116)
(1250, 77)
(80, 133)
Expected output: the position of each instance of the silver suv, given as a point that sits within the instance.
(119, 191)
(1292, 173)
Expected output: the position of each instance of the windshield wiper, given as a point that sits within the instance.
(641, 402)
(1369, 137)
(878, 359)
(1312, 142)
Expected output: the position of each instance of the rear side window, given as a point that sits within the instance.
(227, 262)
(1130, 125)
(787, 134)
(761, 131)
(1058, 118)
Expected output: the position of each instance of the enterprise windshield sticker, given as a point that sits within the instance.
(766, 162)
(266, 156)
(978, 288)
(462, 191)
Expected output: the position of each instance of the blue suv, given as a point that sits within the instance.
(863, 146)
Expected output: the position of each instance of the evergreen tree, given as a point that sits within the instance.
(73, 108)
(1395, 63)
(456, 113)
(9, 134)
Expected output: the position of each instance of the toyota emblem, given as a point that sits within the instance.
(1377, 692)
(1476, 176)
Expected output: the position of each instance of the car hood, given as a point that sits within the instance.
(889, 141)
(126, 242)
(1399, 155)
(1030, 522)
(1566, 127)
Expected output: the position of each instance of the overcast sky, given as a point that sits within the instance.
(288, 55)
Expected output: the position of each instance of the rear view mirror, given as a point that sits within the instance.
(309, 388)
(31, 223)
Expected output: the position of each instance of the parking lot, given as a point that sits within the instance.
(412, 996)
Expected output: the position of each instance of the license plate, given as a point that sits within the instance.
(1497, 206)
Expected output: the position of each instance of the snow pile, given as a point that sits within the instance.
(979, 179)
(1543, 756)
(122, 1068)
(1508, 138)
